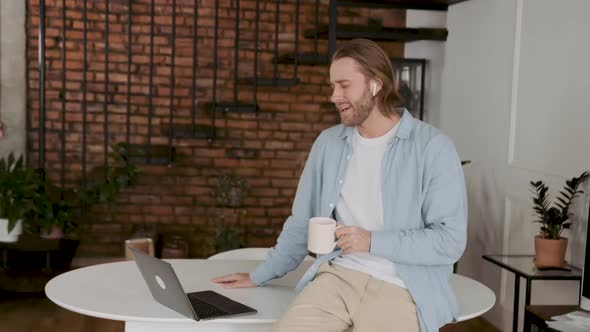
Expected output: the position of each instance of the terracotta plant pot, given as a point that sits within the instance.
(53, 234)
(550, 252)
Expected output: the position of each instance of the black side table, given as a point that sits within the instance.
(47, 247)
(26, 265)
(536, 315)
(523, 266)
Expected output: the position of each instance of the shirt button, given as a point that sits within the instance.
(340, 181)
(331, 205)
(348, 157)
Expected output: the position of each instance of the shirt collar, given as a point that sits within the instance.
(403, 132)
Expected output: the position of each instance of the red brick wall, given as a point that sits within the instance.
(177, 198)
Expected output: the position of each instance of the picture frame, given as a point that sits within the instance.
(410, 76)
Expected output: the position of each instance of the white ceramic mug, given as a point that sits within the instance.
(321, 238)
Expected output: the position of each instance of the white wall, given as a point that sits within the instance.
(12, 76)
(515, 100)
(434, 53)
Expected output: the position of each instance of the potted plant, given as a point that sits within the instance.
(18, 185)
(231, 190)
(53, 215)
(550, 246)
(226, 238)
(104, 183)
(57, 209)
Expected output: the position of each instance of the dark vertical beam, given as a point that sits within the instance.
(276, 51)
(84, 86)
(236, 55)
(317, 27)
(527, 294)
(256, 31)
(422, 92)
(195, 64)
(516, 302)
(41, 84)
(62, 134)
(106, 89)
(129, 59)
(295, 70)
(215, 43)
(333, 16)
(28, 117)
(172, 82)
(151, 79)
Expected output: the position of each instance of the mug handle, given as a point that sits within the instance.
(336, 241)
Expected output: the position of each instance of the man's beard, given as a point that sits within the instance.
(359, 111)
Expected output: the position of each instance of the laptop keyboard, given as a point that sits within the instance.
(204, 309)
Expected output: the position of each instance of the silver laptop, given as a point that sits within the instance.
(166, 289)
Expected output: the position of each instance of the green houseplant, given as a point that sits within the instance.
(229, 194)
(550, 246)
(53, 215)
(226, 221)
(103, 184)
(231, 190)
(226, 238)
(55, 219)
(18, 186)
(58, 210)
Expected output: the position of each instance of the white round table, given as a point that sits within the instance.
(117, 291)
(474, 298)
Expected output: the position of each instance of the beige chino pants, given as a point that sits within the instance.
(341, 299)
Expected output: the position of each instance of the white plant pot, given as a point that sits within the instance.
(5, 236)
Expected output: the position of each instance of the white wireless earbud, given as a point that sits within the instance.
(374, 89)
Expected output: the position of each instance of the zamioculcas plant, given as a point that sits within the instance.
(554, 219)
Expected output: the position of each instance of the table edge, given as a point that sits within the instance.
(529, 277)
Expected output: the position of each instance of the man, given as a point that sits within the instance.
(397, 186)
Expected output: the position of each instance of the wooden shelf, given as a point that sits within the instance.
(155, 154)
(441, 5)
(189, 131)
(229, 107)
(263, 81)
(380, 33)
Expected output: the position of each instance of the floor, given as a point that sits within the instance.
(36, 313)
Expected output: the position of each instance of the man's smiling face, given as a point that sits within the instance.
(351, 94)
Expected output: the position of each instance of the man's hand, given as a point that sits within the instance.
(236, 280)
(353, 239)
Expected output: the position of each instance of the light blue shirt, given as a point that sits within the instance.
(424, 214)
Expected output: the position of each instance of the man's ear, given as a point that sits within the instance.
(375, 87)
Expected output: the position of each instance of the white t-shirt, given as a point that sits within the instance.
(361, 203)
